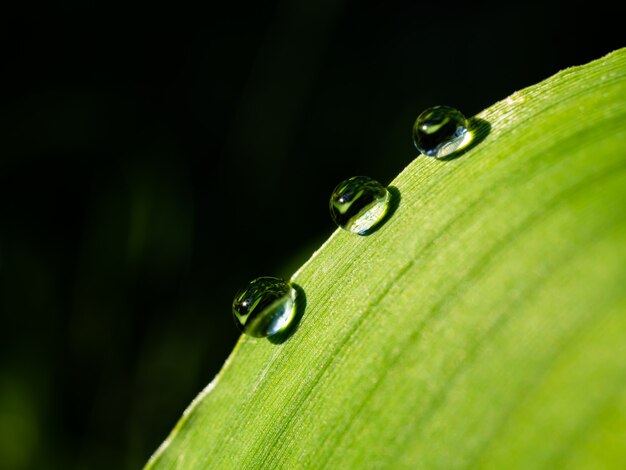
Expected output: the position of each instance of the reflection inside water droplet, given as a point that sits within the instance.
(440, 131)
(265, 307)
(358, 204)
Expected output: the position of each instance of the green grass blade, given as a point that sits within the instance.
(483, 325)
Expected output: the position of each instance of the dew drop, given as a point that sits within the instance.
(440, 131)
(358, 204)
(264, 307)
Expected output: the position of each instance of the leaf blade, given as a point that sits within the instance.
(419, 340)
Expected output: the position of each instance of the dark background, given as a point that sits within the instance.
(154, 160)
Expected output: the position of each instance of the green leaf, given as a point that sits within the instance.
(483, 325)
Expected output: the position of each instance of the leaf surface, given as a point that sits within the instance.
(483, 325)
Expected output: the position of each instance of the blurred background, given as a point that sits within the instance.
(154, 160)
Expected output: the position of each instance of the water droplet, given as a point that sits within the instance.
(264, 307)
(358, 204)
(440, 131)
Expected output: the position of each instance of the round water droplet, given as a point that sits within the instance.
(358, 204)
(264, 307)
(440, 131)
